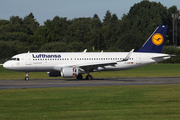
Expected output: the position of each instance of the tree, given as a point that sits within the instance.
(107, 18)
(3, 22)
(15, 20)
(114, 18)
(30, 24)
(95, 32)
(143, 18)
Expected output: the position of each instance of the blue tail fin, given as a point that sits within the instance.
(155, 42)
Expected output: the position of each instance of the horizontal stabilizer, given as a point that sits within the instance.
(163, 56)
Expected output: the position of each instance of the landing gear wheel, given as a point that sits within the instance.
(79, 77)
(26, 78)
(89, 77)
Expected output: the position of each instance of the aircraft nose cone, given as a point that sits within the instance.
(6, 65)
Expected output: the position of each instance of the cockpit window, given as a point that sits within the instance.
(15, 59)
(12, 58)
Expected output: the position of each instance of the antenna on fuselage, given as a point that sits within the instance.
(28, 51)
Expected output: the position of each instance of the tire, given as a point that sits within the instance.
(26, 78)
(79, 77)
(89, 77)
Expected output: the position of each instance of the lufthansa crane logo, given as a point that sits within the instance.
(157, 39)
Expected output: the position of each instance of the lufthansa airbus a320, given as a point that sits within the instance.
(74, 64)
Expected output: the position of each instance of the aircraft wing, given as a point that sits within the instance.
(98, 64)
(108, 62)
(92, 65)
(95, 65)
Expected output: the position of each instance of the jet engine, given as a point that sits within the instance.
(71, 71)
(54, 74)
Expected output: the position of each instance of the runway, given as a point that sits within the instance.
(43, 83)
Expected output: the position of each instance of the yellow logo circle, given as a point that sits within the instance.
(157, 39)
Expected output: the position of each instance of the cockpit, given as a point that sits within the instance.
(15, 59)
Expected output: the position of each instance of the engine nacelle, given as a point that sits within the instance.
(69, 72)
(54, 74)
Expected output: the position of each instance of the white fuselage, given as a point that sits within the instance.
(41, 62)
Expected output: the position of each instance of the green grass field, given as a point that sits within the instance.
(154, 70)
(134, 102)
(127, 102)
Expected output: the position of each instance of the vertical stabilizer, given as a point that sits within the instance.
(155, 42)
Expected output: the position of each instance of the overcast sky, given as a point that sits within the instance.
(48, 9)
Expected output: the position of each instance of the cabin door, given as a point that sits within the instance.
(28, 59)
(138, 59)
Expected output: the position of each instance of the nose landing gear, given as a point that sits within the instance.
(27, 76)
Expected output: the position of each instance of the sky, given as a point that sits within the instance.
(48, 9)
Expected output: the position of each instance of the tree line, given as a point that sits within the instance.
(20, 35)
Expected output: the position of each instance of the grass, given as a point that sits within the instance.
(136, 102)
(154, 70)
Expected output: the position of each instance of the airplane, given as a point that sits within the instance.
(74, 64)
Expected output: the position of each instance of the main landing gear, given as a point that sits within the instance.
(79, 77)
(27, 76)
(88, 77)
